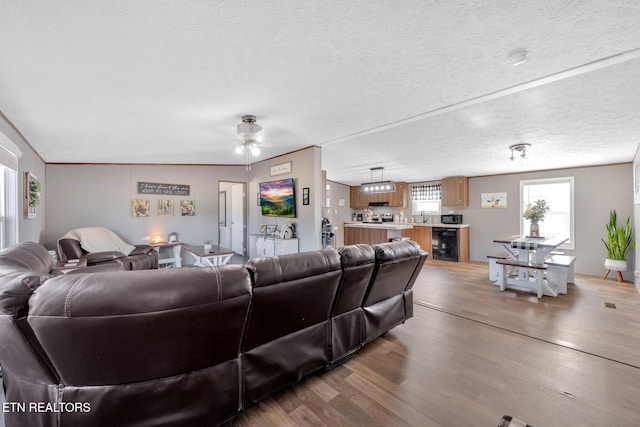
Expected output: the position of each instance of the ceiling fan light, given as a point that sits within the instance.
(255, 150)
(240, 149)
(522, 150)
(248, 129)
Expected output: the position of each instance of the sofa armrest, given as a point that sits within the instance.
(141, 250)
(99, 257)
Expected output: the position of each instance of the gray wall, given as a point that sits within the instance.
(306, 173)
(28, 229)
(597, 190)
(100, 195)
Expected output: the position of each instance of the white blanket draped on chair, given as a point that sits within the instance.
(98, 239)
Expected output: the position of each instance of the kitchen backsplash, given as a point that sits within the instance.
(433, 219)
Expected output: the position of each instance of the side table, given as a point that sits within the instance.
(174, 261)
(70, 265)
(217, 255)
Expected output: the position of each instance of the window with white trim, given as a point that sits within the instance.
(8, 197)
(558, 193)
(426, 198)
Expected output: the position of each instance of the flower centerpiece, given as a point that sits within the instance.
(535, 213)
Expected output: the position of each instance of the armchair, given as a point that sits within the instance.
(101, 246)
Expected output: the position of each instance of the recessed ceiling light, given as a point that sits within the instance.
(517, 58)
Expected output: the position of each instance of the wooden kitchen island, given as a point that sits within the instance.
(373, 233)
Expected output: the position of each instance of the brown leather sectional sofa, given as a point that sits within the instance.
(189, 346)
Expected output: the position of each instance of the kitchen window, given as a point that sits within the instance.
(558, 193)
(426, 198)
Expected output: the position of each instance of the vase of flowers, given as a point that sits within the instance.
(535, 213)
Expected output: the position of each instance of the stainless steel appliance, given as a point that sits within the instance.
(451, 219)
(445, 243)
(327, 234)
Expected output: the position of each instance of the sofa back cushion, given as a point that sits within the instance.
(291, 292)
(71, 248)
(358, 262)
(106, 328)
(396, 263)
(26, 256)
(23, 267)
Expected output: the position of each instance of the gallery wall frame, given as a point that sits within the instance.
(493, 200)
(305, 195)
(32, 192)
(281, 168)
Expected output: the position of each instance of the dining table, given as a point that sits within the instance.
(526, 256)
(530, 249)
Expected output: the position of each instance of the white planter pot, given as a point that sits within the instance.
(616, 264)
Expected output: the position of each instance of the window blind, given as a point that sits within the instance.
(8, 159)
(426, 192)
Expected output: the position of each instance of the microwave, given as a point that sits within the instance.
(451, 219)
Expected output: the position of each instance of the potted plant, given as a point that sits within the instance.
(619, 242)
(535, 213)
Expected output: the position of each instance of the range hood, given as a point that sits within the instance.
(378, 204)
(378, 186)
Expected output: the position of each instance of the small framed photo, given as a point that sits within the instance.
(305, 196)
(187, 207)
(263, 229)
(271, 229)
(140, 207)
(165, 207)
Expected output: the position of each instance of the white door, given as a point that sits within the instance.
(237, 218)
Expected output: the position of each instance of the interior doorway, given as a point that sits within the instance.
(232, 216)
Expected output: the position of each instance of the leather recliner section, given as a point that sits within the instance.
(385, 304)
(148, 344)
(347, 318)
(287, 335)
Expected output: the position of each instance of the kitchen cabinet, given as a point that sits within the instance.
(369, 236)
(396, 199)
(399, 198)
(421, 234)
(455, 191)
(373, 234)
(263, 246)
(354, 198)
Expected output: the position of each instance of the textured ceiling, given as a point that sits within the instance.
(422, 88)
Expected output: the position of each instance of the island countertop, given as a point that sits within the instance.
(400, 225)
(439, 224)
(380, 225)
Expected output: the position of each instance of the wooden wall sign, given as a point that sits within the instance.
(166, 189)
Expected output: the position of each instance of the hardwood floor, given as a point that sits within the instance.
(472, 354)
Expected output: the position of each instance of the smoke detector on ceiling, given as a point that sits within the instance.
(518, 57)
